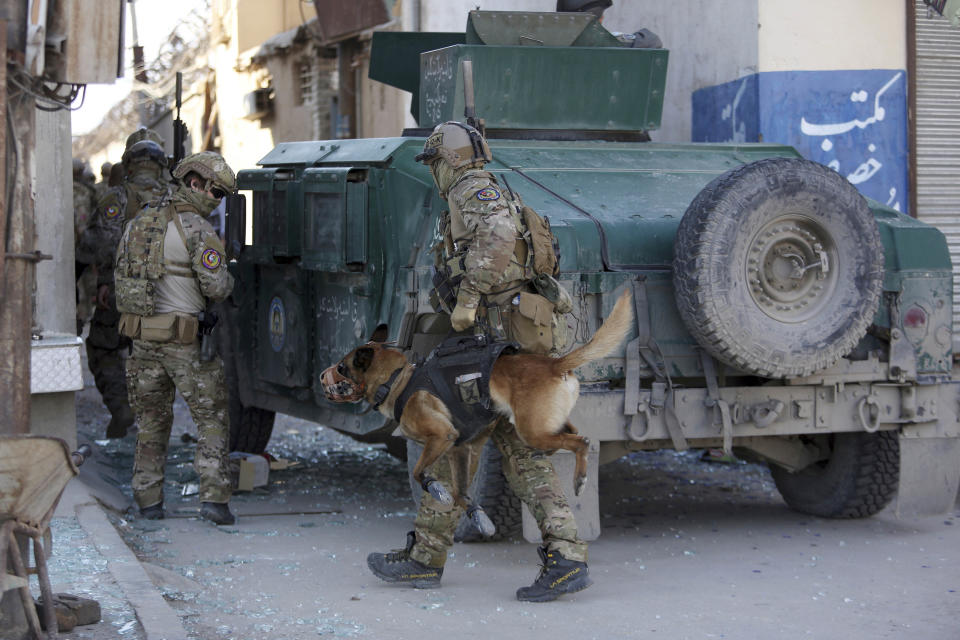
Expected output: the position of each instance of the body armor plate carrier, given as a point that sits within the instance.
(458, 372)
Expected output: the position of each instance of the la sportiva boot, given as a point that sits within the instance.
(217, 512)
(153, 512)
(120, 422)
(557, 577)
(398, 566)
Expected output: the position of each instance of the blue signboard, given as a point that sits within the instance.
(855, 122)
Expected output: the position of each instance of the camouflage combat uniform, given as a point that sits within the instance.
(118, 206)
(84, 204)
(169, 264)
(485, 225)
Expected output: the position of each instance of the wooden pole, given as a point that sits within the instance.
(16, 287)
(3, 144)
(12, 613)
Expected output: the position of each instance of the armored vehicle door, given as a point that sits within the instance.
(335, 224)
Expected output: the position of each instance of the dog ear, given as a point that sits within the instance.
(379, 334)
(363, 358)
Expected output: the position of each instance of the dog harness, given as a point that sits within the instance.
(458, 372)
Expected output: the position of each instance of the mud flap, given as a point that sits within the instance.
(929, 475)
(586, 506)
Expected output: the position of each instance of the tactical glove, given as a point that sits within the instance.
(463, 317)
(465, 312)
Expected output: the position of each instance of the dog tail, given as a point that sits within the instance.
(608, 336)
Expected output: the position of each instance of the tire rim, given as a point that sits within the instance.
(792, 268)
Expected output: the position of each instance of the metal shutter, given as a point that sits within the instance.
(938, 132)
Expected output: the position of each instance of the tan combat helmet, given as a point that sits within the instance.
(211, 167)
(144, 144)
(459, 144)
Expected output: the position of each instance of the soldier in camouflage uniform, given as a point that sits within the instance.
(485, 234)
(144, 163)
(104, 183)
(170, 265)
(84, 203)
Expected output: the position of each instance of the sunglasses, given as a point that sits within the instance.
(218, 193)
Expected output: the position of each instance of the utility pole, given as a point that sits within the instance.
(16, 285)
(18, 113)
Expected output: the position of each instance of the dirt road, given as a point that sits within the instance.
(689, 549)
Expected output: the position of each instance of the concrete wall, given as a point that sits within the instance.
(451, 15)
(831, 81)
(258, 20)
(710, 42)
(825, 35)
(54, 414)
(55, 302)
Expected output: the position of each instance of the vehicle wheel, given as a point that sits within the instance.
(858, 480)
(489, 488)
(250, 427)
(778, 267)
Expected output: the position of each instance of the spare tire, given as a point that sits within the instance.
(778, 267)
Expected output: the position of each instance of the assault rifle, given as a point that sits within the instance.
(179, 128)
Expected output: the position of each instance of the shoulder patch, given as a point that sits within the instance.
(211, 259)
(111, 212)
(488, 193)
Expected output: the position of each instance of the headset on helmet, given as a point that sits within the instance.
(211, 167)
(145, 150)
(142, 135)
(457, 143)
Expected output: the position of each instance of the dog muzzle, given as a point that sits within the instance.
(337, 387)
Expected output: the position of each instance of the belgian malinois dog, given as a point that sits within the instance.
(536, 392)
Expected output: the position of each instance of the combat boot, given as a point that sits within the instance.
(217, 512)
(398, 566)
(153, 512)
(120, 422)
(557, 577)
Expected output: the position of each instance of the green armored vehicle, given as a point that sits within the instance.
(779, 314)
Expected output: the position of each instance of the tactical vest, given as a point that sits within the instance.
(449, 270)
(458, 372)
(142, 264)
(536, 258)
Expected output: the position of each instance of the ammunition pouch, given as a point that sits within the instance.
(546, 251)
(531, 322)
(165, 327)
(135, 295)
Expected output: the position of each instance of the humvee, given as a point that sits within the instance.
(779, 314)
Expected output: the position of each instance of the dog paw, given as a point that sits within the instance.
(579, 484)
(439, 492)
(482, 522)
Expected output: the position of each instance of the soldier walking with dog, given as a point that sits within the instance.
(170, 263)
(490, 264)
